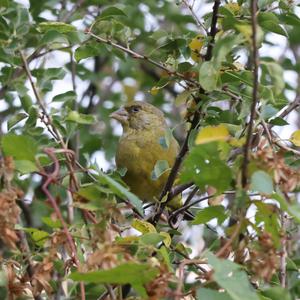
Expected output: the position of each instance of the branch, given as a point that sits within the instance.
(254, 93)
(178, 292)
(185, 207)
(24, 247)
(49, 179)
(289, 108)
(213, 30)
(35, 91)
(194, 124)
(238, 225)
(72, 11)
(197, 20)
(149, 71)
(136, 55)
(178, 189)
(283, 252)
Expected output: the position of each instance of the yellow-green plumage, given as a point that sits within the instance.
(139, 149)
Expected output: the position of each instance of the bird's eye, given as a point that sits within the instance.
(135, 109)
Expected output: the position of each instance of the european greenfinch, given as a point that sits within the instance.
(140, 147)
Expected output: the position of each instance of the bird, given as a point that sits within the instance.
(140, 147)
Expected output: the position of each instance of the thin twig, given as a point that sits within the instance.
(175, 169)
(289, 108)
(178, 293)
(72, 11)
(254, 94)
(194, 124)
(182, 209)
(35, 91)
(174, 215)
(143, 57)
(50, 178)
(24, 247)
(195, 17)
(178, 189)
(213, 30)
(283, 251)
(111, 292)
(235, 233)
(285, 147)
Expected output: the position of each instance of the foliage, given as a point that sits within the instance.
(71, 229)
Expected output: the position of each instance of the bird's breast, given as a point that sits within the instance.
(138, 153)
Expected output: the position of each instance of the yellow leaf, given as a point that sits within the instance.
(127, 240)
(154, 90)
(143, 226)
(295, 138)
(212, 133)
(233, 7)
(245, 30)
(237, 142)
(167, 240)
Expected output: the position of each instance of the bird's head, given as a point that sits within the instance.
(139, 115)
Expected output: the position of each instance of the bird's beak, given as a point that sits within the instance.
(120, 115)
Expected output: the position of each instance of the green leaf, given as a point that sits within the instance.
(79, 118)
(33, 116)
(20, 147)
(243, 76)
(45, 77)
(204, 167)
(268, 111)
(128, 273)
(151, 239)
(52, 223)
(208, 76)
(262, 182)
(91, 192)
(224, 46)
(89, 49)
(292, 209)
(209, 213)
(231, 278)
(278, 122)
(268, 214)
(160, 168)
(121, 191)
(277, 293)
(264, 3)
(38, 236)
(53, 36)
(26, 102)
(270, 22)
(275, 73)
(183, 97)
(4, 3)
(112, 11)
(57, 26)
(69, 96)
(25, 166)
(208, 294)
(15, 119)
